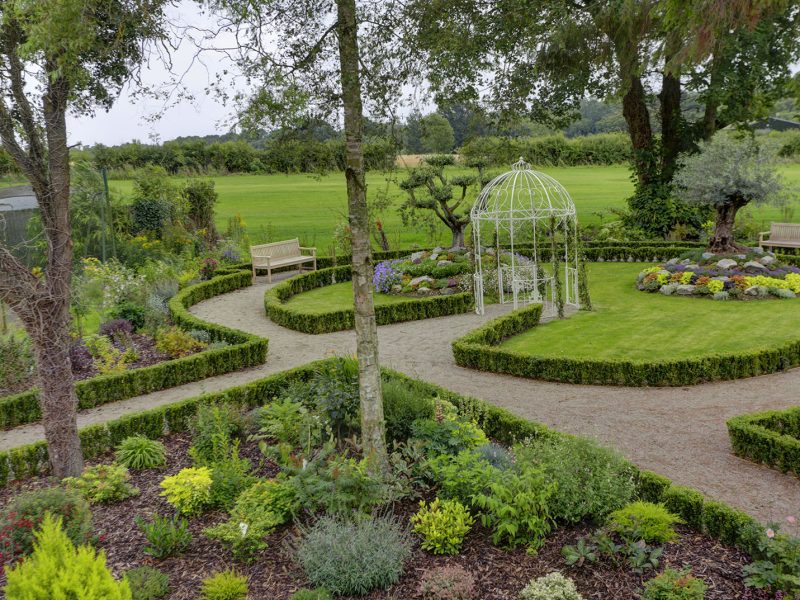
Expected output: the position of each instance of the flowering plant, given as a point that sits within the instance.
(208, 269)
(386, 276)
(779, 567)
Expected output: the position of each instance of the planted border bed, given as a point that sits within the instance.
(411, 309)
(771, 438)
(245, 350)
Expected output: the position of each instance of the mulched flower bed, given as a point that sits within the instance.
(499, 574)
(145, 347)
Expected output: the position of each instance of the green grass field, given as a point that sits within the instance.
(631, 325)
(333, 297)
(276, 207)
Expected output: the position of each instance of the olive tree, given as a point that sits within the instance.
(58, 56)
(727, 174)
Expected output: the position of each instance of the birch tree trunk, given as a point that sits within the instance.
(372, 423)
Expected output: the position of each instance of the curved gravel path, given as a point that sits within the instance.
(678, 432)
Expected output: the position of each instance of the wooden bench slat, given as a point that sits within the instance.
(781, 235)
(281, 254)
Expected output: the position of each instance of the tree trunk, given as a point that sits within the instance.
(373, 434)
(670, 97)
(722, 241)
(637, 117)
(458, 236)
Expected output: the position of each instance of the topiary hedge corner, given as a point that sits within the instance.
(771, 438)
(337, 320)
(480, 349)
(244, 351)
(718, 520)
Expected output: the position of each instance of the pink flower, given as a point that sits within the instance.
(770, 533)
(791, 520)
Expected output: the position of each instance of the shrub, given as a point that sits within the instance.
(24, 514)
(257, 512)
(225, 585)
(79, 356)
(213, 424)
(57, 569)
(208, 269)
(134, 313)
(496, 455)
(446, 583)
(448, 435)
(353, 558)
(166, 536)
(147, 583)
(103, 483)
(442, 525)
(189, 491)
(108, 359)
(282, 421)
(645, 521)
(17, 364)
(140, 452)
(230, 475)
(778, 561)
(117, 329)
(674, 585)
(317, 594)
(335, 392)
(550, 587)
(402, 405)
(592, 481)
(176, 342)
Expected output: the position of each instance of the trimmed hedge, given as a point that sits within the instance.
(337, 320)
(480, 350)
(245, 350)
(718, 520)
(771, 437)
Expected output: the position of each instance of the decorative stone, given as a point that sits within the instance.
(721, 295)
(672, 261)
(767, 260)
(424, 290)
(420, 281)
(727, 263)
(741, 256)
(754, 265)
(707, 255)
(685, 290)
(668, 289)
(686, 261)
(396, 289)
(416, 256)
(442, 263)
(447, 291)
(722, 279)
(752, 291)
(692, 267)
(757, 250)
(434, 256)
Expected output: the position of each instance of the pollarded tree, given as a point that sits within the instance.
(429, 188)
(727, 174)
(55, 56)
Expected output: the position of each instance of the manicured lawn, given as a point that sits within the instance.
(276, 207)
(631, 325)
(334, 297)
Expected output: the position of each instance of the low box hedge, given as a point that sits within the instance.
(245, 350)
(714, 518)
(480, 350)
(337, 320)
(771, 438)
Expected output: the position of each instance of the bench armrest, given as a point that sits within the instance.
(312, 248)
(761, 235)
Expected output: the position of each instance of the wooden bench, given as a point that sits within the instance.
(781, 235)
(281, 254)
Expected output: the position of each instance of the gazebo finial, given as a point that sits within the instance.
(520, 165)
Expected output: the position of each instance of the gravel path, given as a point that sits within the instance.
(678, 432)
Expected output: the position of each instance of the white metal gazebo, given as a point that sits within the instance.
(523, 209)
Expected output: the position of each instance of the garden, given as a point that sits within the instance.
(266, 491)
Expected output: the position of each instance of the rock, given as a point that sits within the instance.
(424, 290)
(727, 263)
(686, 261)
(396, 289)
(754, 265)
(757, 250)
(722, 279)
(672, 261)
(442, 263)
(416, 256)
(434, 256)
(767, 260)
(420, 281)
(447, 291)
(721, 296)
(741, 256)
(692, 267)
(668, 289)
(437, 250)
(685, 290)
(707, 255)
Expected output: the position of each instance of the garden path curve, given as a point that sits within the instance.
(678, 432)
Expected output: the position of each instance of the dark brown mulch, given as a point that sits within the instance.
(499, 573)
(145, 347)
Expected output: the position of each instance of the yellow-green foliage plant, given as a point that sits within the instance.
(442, 525)
(646, 521)
(225, 585)
(103, 483)
(189, 491)
(57, 569)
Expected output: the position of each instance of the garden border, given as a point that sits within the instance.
(479, 349)
(770, 437)
(718, 520)
(245, 350)
(337, 320)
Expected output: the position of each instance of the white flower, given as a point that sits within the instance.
(243, 529)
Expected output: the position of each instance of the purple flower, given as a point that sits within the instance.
(386, 276)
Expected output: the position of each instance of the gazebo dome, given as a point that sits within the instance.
(523, 194)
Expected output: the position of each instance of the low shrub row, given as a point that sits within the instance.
(718, 520)
(245, 350)
(771, 437)
(336, 320)
(480, 349)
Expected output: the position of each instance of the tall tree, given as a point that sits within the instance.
(55, 56)
(437, 134)
(317, 58)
